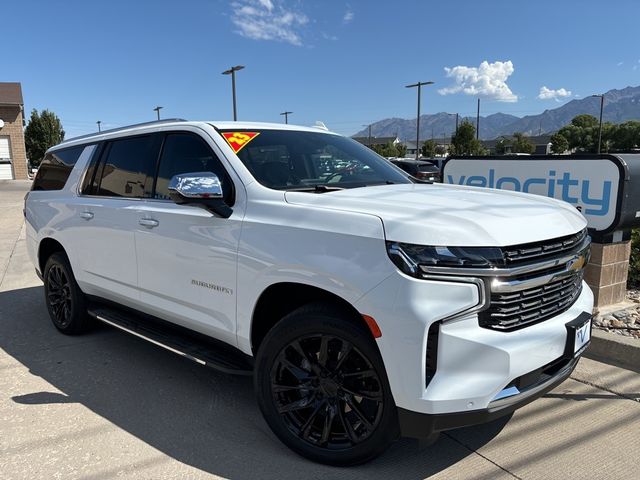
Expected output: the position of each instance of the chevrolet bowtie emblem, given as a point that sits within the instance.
(576, 263)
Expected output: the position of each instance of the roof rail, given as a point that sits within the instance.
(112, 130)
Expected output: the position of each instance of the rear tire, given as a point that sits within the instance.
(65, 301)
(322, 387)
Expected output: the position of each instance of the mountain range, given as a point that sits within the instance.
(619, 106)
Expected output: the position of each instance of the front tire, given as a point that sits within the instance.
(322, 387)
(65, 301)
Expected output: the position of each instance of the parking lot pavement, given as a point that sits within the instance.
(107, 405)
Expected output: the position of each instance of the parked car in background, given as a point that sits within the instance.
(420, 169)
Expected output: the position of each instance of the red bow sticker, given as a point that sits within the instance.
(238, 140)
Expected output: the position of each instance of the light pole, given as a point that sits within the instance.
(419, 85)
(369, 139)
(157, 110)
(232, 71)
(286, 116)
(600, 129)
(478, 121)
(99, 122)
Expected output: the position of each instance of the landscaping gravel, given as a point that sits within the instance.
(622, 322)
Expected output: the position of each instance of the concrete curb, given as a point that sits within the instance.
(614, 349)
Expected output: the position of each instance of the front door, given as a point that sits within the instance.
(186, 255)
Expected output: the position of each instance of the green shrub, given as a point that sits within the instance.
(634, 261)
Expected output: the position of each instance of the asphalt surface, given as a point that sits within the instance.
(108, 405)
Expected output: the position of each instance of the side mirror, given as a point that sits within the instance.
(200, 188)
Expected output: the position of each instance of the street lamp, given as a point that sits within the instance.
(600, 129)
(286, 116)
(478, 121)
(157, 110)
(99, 122)
(419, 85)
(232, 71)
(369, 140)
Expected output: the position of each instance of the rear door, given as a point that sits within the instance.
(114, 187)
(187, 256)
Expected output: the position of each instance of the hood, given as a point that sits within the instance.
(453, 215)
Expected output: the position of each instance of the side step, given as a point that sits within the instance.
(196, 347)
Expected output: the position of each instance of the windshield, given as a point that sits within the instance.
(314, 161)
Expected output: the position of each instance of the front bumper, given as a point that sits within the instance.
(421, 425)
(474, 364)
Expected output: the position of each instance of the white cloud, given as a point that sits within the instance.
(268, 20)
(487, 80)
(348, 15)
(619, 64)
(551, 94)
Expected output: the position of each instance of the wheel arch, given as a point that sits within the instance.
(279, 299)
(47, 247)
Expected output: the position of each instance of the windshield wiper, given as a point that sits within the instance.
(318, 188)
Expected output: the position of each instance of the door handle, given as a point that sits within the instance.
(86, 215)
(148, 222)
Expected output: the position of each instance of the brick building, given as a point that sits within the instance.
(13, 155)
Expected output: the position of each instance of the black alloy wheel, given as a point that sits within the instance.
(326, 391)
(65, 301)
(322, 387)
(59, 296)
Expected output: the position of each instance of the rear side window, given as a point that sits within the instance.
(127, 167)
(55, 169)
(187, 153)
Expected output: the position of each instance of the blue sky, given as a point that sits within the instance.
(344, 63)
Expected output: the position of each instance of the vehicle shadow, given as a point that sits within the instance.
(192, 414)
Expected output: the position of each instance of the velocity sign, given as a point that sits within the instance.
(591, 185)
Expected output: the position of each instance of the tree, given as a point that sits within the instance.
(503, 145)
(402, 150)
(429, 148)
(464, 141)
(388, 150)
(584, 121)
(440, 150)
(624, 137)
(559, 143)
(43, 131)
(522, 144)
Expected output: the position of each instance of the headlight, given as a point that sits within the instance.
(409, 258)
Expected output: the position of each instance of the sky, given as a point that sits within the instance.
(343, 63)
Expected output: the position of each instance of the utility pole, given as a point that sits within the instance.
(369, 139)
(456, 123)
(286, 116)
(232, 71)
(600, 129)
(478, 122)
(157, 110)
(99, 122)
(419, 86)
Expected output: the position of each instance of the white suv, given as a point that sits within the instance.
(364, 304)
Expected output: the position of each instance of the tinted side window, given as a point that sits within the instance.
(128, 166)
(56, 168)
(186, 153)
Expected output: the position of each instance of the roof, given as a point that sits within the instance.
(173, 122)
(10, 93)
(375, 140)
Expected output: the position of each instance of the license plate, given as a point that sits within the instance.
(583, 335)
(578, 335)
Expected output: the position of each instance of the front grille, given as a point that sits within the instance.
(541, 250)
(515, 309)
